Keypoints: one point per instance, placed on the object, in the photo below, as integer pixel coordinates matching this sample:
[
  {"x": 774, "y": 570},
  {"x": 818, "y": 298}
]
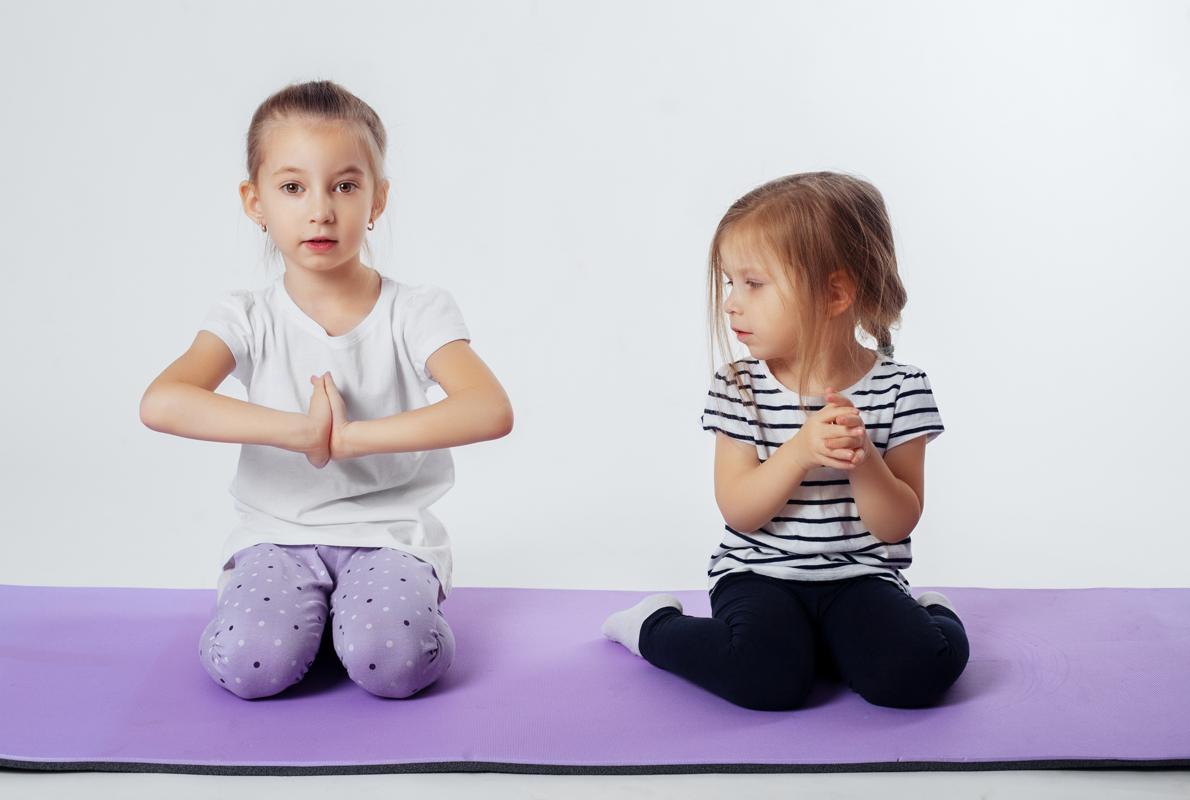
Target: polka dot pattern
[{"x": 391, "y": 650}]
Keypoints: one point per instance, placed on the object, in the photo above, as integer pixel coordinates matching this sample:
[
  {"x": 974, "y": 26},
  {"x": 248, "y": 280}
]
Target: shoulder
[
  {"x": 910, "y": 376},
  {"x": 419, "y": 295},
  {"x": 237, "y": 305},
  {"x": 737, "y": 374}
]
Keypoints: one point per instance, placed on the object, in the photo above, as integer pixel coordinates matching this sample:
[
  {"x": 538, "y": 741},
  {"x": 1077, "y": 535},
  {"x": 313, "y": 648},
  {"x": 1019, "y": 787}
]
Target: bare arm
[
  {"x": 182, "y": 401},
  {"x": 475, "y": 409},
  {"x": 750, "y": 493},
  {"x": 890, "y": 491}
]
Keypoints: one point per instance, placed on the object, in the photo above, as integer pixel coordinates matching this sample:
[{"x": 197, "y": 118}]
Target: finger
[
  {"x": 837, "y": 454},
  {"x": 835, "y": 412},
  {"x": 338, "y": 405},
  {"x": 835, "y": 463},
  {"x": 834, "y": 398},
  {"x": 835, "y": 431},
  {"x": 329, "y": 382},
  {"x": 849, "y": 441}
]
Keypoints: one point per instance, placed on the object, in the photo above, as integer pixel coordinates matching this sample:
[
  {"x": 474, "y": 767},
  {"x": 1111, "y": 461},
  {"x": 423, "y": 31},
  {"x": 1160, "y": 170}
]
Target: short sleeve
[
  {"x": 726, "y": 411},
  {"x": 229, "y": 320},
  {"x": 915, "y": 412},
  {"x": 430, "y": 319}
]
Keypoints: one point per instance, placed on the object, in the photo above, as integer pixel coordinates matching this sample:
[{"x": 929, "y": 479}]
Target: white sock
[
  {"x": 624, "y": 626},
  {"x": 935, "y": 599}
]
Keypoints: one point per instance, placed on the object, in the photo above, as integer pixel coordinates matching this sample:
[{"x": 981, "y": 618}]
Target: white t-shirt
[
  {"x": 818, "y": 535},
  {"x": 379, "y": 367}
]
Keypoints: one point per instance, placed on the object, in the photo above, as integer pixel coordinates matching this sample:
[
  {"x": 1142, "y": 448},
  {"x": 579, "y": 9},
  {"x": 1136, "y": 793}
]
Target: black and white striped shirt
[{"x": 818, "y": 535}]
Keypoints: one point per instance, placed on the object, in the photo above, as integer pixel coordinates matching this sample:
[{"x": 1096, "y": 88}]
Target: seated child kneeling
[{"x": 335, "y": 479}]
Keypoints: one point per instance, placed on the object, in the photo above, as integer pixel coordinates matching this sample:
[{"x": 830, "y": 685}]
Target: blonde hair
[
  {"x": 318, "y": 101},
  {"x": 812, "y": 224}
]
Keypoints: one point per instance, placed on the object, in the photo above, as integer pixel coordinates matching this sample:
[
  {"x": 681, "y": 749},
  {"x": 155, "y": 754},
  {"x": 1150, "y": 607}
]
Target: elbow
[
  {"x": 743, "y": 524},
  {"x": 502, "y": 420},
  {"x": 498, "y": 416},
  {"x": 150, "y": 410},
  {"x": 155, "y": 409},
  {"x": 739, "y": 520},
  {"x": 896, "y": 536}
]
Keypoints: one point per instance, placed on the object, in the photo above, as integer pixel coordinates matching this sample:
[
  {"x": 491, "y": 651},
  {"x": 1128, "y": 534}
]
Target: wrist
[
  {"x": 346, "y": 441},
  {"x": 298, "y": 434},
  {"x": 795, "y": 451},
  {"x": 871, "y": 457}
]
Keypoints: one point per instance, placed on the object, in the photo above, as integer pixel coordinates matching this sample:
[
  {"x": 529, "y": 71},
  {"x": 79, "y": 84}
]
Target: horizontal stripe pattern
[{"x": 818, "y": 535}]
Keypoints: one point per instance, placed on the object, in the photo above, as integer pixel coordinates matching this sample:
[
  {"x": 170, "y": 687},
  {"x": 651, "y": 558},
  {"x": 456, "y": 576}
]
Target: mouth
[
  {"x": 321, "y": 244},
  {"x": 741, "y": 334}
]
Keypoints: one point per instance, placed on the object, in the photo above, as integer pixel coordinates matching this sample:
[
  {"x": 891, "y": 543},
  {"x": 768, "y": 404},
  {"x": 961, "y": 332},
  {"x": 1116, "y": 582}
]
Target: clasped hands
[
  {"x": 834, "y": 436},
  {"x": 326, "y": 438}
]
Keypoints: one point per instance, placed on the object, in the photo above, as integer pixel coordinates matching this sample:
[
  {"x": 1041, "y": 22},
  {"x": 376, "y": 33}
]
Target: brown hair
[
  {"x": 319, "y": 101},
  {"x": 813, "y": 224}
]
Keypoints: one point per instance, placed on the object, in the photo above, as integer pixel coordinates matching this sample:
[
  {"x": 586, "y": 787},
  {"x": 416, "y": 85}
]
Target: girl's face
[
  {"x": 315, "y": 193},
  {"x": 760, "y": 303}
]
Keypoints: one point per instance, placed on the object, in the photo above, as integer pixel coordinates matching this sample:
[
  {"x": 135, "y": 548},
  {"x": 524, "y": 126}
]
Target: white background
[{"x": 560, "y": 168}]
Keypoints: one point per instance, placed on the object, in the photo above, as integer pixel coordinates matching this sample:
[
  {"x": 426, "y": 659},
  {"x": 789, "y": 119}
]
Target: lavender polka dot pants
[{"x": 275, "y": 600}]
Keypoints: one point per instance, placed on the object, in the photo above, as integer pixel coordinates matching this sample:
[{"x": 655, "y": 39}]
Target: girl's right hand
[
  {"x": 832, "y": 422},
  {"x": 318, "y": 446}
]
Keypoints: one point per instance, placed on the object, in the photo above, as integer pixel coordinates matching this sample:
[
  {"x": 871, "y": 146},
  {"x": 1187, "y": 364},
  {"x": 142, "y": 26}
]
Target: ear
[
  {"x": 381, "y": 200},
  {"x": 841, "y": 289},
  {"x": 251, "y": 202}
]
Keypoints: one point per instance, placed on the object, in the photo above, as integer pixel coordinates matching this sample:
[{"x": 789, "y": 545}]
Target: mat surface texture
[{"x": 109, "y": 679}]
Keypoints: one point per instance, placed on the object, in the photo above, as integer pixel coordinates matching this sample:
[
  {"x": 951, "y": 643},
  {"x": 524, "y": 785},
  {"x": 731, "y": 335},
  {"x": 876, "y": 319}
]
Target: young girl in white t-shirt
[
  {"x": 342, "y": 454},
  {"x": 819, "y": 489}
]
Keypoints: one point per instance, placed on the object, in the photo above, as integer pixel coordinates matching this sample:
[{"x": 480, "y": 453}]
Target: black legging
[{"x": 767, "y": 637}]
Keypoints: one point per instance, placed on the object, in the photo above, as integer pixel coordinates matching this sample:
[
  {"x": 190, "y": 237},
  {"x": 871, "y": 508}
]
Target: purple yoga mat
[{"x": 109, "y": 679}]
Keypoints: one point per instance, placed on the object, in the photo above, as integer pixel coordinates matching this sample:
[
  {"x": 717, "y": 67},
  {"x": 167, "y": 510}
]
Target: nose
[
  {"x": 729, "y": 305},
  {"x": 321, "y": 209}
]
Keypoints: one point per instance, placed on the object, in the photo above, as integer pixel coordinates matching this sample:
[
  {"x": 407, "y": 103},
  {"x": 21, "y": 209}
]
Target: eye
[
  {"x": 348, "y": 183},
  {"x": 285, "y": 187},
  {"x": 753, "y": 284}
]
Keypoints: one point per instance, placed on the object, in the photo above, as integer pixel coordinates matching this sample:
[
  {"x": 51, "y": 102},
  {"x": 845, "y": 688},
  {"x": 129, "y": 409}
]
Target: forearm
[
  {"x": 753, "y": 498},
  {"x": 888, "y": 507},
  {"x": 464, "y": 417},
  {"x": 196, "y": 413}
]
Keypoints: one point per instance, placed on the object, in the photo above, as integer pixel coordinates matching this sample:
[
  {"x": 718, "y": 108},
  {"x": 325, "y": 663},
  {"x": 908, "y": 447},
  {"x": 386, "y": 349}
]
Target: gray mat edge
[{"x": 575, "y": 769}]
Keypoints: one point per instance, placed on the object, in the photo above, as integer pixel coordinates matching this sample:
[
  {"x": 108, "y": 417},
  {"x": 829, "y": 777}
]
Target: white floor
[{"x": 1009, "y": 785}]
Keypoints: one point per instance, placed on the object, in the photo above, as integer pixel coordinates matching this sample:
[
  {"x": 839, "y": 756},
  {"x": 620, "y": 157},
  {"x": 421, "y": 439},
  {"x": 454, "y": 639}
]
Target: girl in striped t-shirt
[{"x": 819, "y": 488}]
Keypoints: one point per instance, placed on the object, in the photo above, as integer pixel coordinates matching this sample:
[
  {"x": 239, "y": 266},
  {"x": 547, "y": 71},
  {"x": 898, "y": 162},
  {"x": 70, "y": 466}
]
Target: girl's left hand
[
  {"x": 339, "y": 421},
  {"x": 858, "y": 440}
]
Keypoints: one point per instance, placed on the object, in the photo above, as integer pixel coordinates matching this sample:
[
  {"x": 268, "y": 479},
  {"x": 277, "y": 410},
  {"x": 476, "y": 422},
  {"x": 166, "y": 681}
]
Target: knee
[
  {"x": 910, "y": 683},
  {"x": 767, "y": 685},
  {"x": 783, "y": 697},
  {"x": 400, "y": 667},
  {"x": 253, "y": 666}
]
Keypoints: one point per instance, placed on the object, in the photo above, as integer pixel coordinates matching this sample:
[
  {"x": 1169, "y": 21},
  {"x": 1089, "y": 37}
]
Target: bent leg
[
  {"x": 756, "y": 650},
  {"x": 268, "y": 623},
  {"x": 388, "y": 630},
  {"x": 889, "y": 649}
]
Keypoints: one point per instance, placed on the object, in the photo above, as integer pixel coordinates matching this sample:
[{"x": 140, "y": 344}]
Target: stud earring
[
  {"x": 264, "y": 227},
  {"x": 371, "y": 224}
]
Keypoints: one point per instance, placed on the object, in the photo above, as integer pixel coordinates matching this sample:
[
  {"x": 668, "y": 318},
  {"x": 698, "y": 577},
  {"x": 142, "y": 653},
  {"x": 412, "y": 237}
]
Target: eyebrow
[
  {"x": 351, "y": 170},
  {"x": 747, "y": 271}
]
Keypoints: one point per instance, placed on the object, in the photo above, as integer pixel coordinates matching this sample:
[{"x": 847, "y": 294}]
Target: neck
[
  {"x": 337, "y": 285},
  {"x": 844, "y": 361}
]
